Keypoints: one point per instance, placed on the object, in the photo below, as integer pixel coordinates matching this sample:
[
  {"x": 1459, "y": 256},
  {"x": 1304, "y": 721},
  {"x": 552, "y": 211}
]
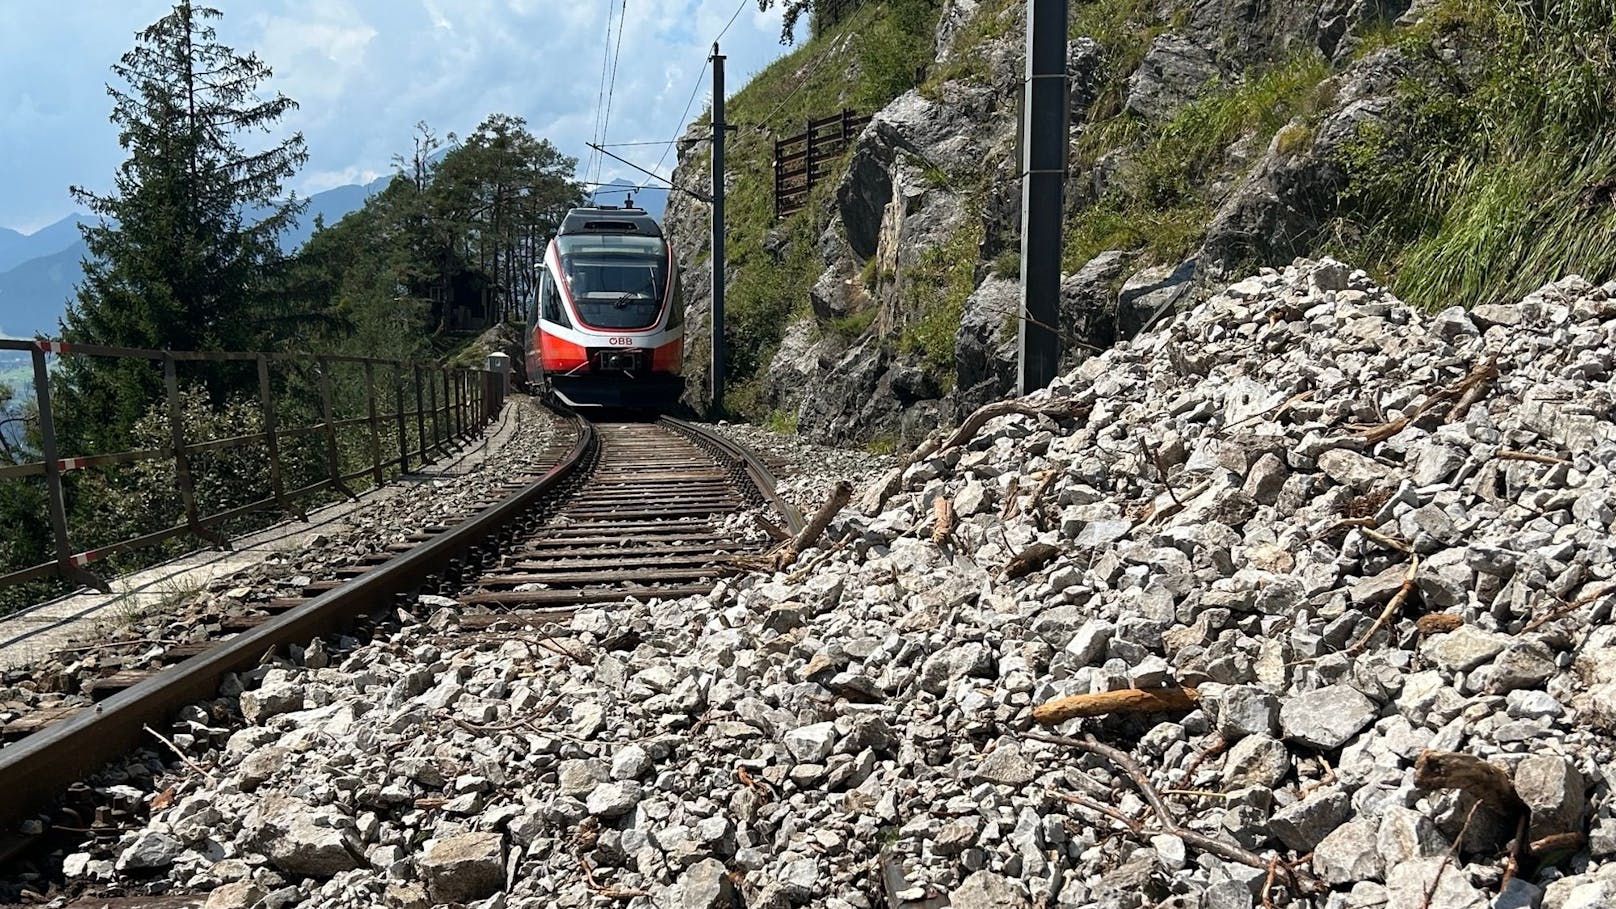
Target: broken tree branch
[
  {"x": 942, "y": 528},
  {"x": 1565, "y": 609},
  {"x": 200, "y": 770},
  {"x": 1392, "y": 606},
  {"x": 877, "y": 497},
  {"x": 1141, "y": 782},
  {"x": 1486, "y": 782},
  {"x": 1029, "y": 560},
  {"x": 809, "y": 535}
]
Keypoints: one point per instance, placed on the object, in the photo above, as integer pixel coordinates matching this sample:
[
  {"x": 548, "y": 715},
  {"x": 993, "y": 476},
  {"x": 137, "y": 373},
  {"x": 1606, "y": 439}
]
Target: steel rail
[
  {"x": 755, "y": 469},
  {"x": 37, "y": 769}
]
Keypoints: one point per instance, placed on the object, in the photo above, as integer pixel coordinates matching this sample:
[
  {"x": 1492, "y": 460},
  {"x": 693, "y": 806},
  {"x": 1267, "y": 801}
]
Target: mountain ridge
[{"x": 39, "y": 271}]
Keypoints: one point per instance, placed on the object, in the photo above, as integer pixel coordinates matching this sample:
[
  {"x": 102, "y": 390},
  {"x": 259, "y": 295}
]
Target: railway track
[{"x": 629, "y": 509}]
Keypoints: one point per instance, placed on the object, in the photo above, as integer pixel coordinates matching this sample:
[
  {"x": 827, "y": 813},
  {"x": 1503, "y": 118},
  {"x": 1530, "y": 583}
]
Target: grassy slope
[
  {"x": 862, "y": 64},
  {"x": 1504, "y": 176}
]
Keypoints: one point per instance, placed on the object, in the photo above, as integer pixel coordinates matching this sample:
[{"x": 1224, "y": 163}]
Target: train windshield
[{"x": 615, "y": 282}]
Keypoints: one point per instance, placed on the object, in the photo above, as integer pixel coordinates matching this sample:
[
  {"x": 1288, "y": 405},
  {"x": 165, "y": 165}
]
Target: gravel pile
[
  {"x": 446, "y": 490},
  {"x": 1227, "y": 505},
  {"x": 806, "y": 471}
]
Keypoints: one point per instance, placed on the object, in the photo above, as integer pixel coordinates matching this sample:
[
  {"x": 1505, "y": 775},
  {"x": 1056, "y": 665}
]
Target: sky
[{"x": 364, "y": 72}]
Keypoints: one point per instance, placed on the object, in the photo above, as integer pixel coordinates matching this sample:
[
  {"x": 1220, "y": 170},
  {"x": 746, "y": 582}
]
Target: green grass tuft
[
  {"x": 1156, "y": 202},
  {"x": 933, "y": 298},
  {"x": 1500, "y": 180}
]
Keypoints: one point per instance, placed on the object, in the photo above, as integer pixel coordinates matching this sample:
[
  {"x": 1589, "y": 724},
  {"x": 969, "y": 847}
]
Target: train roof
[{"x": 619, "y": 221}]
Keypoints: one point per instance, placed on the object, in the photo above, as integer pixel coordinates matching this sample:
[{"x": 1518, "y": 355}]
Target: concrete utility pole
[
  {"x": 716, "y": 393},
  {"x": 1043, "y": 166}
]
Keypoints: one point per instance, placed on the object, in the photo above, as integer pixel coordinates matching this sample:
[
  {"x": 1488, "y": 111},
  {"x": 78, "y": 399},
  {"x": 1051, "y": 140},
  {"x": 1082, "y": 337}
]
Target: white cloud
[{"x": 365, "y": 72}]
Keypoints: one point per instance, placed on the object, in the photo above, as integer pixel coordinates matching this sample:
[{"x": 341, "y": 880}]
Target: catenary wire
[
  {"x": 813, "y": 67},
  {"x": 600, "y": 94},
  {"x": 668, "y": 146},
  {"x": 611, "y": 85}
]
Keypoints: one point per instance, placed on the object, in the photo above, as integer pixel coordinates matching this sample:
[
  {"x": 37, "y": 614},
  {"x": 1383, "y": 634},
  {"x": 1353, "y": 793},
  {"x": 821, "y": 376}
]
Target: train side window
[{"x": 550, "y": 308}]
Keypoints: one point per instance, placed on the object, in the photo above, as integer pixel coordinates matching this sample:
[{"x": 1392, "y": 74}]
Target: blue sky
[{"x": 364, "y": 72}]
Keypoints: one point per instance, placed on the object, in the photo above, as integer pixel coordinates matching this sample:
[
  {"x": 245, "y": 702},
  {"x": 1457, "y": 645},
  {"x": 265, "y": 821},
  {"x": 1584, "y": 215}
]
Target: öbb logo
[{"x": 621, "y": 342}]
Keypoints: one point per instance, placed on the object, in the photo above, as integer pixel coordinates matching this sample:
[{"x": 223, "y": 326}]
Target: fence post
[
  {"x": 437, "y": 437},
  {"x": 448, "y": 409},
  {"x": 398, "y": 417},
  {"x": 778, "y": 182},
  {"x": 182, "y": 456},
  {"x": 451, "y": 404},
  {"x": 420, "y": 415},
  {"x": 375, "y": 426},
  {"x": 333, "y": 461},
  {"x": 272, "y": 442},
  {"x": 847, "y": 124},
  {"x": 462, "y": 393},
  {"x": 55, "y": 494},
  {"x": 808, "y": 159}
]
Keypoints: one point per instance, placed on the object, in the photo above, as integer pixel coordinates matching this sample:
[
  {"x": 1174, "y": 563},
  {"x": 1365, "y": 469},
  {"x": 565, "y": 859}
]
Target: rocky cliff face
[{"x": 912, "y": 318}]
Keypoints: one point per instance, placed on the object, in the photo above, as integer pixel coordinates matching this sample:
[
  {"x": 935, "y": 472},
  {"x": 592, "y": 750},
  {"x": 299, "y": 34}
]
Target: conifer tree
[{"x": 186, "y": 253}]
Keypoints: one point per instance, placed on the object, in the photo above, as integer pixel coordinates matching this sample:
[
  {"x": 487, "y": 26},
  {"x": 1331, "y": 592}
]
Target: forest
[{"x": 185, "y": 255}]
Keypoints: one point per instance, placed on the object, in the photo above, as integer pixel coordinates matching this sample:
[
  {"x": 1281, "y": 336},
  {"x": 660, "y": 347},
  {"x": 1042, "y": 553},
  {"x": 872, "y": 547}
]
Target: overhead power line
[
  {"x": 611, "y": 86},
  {"x": 680, "y": 126},
  {"x": 600, "y": 94}
]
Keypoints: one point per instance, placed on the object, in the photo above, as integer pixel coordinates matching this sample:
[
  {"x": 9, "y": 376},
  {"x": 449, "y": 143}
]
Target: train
[{"x": 606, "y": 325}]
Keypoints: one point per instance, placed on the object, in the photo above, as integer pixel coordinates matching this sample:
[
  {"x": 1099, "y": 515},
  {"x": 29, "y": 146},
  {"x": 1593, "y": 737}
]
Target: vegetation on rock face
[
  {"x": 1158, "y": 201},
  {"x": 1502, "y": 175},
  {"x": 863, "y": 63},
  {"x": 934, "y": 297}
]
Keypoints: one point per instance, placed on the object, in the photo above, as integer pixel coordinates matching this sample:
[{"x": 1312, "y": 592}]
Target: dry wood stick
[
  {"x": 1485, "y": 781},
  {"x": 1156, "y": 461},
  {"x": 1392, "y": 606},
  {"x": 942, "y": 520},
  {"x": 143, "y": 642},
  {"x": 1565, "y": 609},
  {"x": 964, "y": 434},
  {"x": 772, "y": 529},
  {"x": 1274, "y": 413},
  {"x": 1012, "y": 494},
  {"x": 1136, "y": 774},
  {"x": 201, "y": 771},
  {"x": 1473, "y": 388},
  {"x": 810, "y": 534},
  {"x": 1509, "y": 454},
  {"x": 1448, "y": 859},
  {"x": 1126, "y": 700},
  {"x": 1029, "y": 560}
]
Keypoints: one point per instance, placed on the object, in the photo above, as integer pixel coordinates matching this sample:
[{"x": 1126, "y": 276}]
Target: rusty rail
[
  {"x": 470, "y": 399},
  {"x": 37, "y": 769}
]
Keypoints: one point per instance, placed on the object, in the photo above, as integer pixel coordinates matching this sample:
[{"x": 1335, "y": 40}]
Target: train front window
[{"x": 616, "y": 291}]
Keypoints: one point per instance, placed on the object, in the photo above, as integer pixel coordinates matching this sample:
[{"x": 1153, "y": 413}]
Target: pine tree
[{"x": 186, "y": 254}]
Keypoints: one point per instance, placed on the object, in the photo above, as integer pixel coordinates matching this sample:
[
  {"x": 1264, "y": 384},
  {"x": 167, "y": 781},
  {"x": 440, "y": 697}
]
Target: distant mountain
[
  {"x": 34, "y": 295},
  {"x": 17, "y": 248},
  {"x": 652, "y": 199},
  {"x": 331, "y": 205},
  {"x": 39, "y": 271}
]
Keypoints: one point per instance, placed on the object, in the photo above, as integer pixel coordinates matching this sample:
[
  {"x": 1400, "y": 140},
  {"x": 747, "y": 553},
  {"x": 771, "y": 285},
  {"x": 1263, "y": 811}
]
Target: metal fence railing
[
  {"x": 364, "y": 418},
  {"x": 802, "y": 160}
]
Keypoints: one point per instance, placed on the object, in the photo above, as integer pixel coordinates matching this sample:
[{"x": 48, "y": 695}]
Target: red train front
[{"x": 607, "y": 326}]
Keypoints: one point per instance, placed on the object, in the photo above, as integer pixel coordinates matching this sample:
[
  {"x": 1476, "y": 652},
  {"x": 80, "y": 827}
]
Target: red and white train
[{"x": 607, "y": 324}]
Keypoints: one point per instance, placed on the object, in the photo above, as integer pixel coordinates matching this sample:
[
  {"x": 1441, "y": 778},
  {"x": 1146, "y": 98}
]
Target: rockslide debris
[{"x": 1235, "y": 501}]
